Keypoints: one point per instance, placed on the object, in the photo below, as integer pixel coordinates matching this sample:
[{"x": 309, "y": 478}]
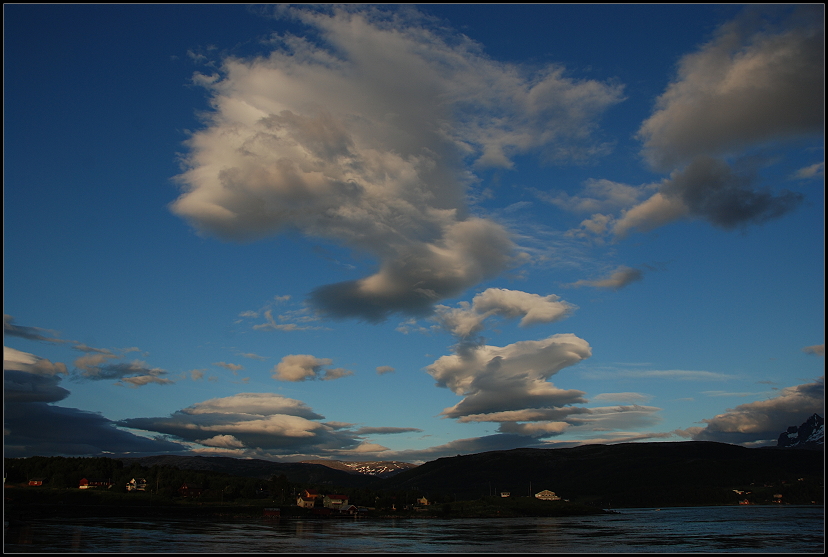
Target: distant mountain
[
  {"x": 296, "y": 472},
  {"x": 809, "y": 435},
  {"x": 627, "y": 474},
  {"x": 376, "y": 468}
]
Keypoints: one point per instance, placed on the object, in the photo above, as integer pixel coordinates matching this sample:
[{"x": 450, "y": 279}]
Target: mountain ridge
[{"x": 809, "y": 435}]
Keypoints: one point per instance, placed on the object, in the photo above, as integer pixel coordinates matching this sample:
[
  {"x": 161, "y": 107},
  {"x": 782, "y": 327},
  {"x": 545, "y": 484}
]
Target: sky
[{"x": 404, "y": 232}]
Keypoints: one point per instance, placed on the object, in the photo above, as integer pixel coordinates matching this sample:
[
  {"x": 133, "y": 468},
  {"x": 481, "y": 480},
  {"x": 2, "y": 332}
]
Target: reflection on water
[{"x": 702, "y": 529}]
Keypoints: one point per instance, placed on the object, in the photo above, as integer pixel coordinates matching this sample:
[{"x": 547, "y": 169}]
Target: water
[{"x": 770, "y": 529}]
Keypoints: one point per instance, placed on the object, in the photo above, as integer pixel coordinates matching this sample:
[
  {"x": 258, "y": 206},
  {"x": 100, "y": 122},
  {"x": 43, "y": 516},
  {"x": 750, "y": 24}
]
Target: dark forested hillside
[
  {"x": 631, "y": 474},
  {"x": 296, "y": 472},
  {"x": 623, "y": 475}
]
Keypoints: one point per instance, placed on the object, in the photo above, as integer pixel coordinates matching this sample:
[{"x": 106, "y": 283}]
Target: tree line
[{"x": 165, "y": 481}]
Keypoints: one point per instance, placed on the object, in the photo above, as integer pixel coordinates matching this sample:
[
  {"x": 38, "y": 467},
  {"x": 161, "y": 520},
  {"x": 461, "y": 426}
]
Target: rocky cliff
[{"x": 809, "y": 435}]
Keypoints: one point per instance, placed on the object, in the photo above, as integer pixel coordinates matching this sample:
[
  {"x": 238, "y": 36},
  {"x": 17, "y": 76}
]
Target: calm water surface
[{"x": 748, "y": 529}]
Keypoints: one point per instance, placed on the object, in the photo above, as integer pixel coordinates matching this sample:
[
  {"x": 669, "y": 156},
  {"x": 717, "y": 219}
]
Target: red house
[
  {"x": 190, "y": 490},
  {"x": 93, "y": 483}
]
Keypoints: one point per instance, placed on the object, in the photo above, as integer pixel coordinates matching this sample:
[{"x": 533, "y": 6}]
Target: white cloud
[
  {"x": 754, "y": 86},
  {"x": 467, "y": 320},
  {"x": 299, "y": 367},
  {"x": 493, "y": 379},
  {"x": 364, "y": 138},
  {"x": 620, "y": 277},
  {"x": 263, "y": 425},
  {"x": 754, "y": 82},
  {"x": 656, "y": 211},
  {"x": 816, "y": 350},
  {"x": 222, "y": 441},
  {"x": 231, "y": 367},
  {"x": 263, "y": 404},
  {"x": 813, "y": 171},
  {"x": 23, "y": 361},
  {"x": 765, "y": 420},
  {"x": 336, "y": 373},
  {"x": 598, "y": 196},
  {"x": 382, "y": 370},
  {"x": 134, "y": 374}
]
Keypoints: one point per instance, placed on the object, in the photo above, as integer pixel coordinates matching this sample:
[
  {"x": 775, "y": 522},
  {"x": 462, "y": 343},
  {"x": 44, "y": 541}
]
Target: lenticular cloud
[{"x": 366, "y": 137}]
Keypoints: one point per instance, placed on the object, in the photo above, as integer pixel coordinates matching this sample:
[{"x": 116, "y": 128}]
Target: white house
[
  {"x": 334, "y": 501},
  {"x": 547, "y": 495},
  {"x": 136, "y": 484}
]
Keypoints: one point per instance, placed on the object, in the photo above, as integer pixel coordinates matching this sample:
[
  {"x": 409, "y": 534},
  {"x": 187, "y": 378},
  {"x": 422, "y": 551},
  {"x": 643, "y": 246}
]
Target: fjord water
[{"x": 772, "y": 529}]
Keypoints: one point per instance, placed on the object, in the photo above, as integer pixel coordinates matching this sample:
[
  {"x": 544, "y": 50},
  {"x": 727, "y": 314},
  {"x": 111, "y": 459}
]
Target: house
[
  {"x": 310, "y": 494},
  {"x": 547, "y": 495},
  {"x": 334, "y": 501},
  {"x": 93, "y": 483},
  {"x": 37, "y": 481},
  {"x": 505, "y": 494},
  {"x": 305, "y": 502},
  {"x": 423, "y": 501},
  {"x": 136, "y": 484},
  {"x": 190, "y": 490},
  {"x": 348, "y": 509}
]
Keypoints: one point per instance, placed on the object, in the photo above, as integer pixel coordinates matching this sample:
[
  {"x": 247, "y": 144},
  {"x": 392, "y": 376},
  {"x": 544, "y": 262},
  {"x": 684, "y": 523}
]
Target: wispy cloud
[
  {"x": 30, "y": 333},
  {"x": 618, "y": 279},
  {"x": 678, "y": 374},
  {"x": 816, "y": 170},
  {"x": 815, "y": 350},
  {"x": 231, "y": 367}
]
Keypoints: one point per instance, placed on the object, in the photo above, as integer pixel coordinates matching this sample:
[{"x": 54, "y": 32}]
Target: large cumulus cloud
[
  {"x": 366, "y": 137},
  {"x": 495, "y": 379},
  {"x": 732, "y": 108},
  {"x": 758, "y": 80}
]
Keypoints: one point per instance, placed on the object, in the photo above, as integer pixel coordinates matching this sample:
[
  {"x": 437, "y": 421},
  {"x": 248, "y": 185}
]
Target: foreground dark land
[
  {"x": 26, "y": 504},
  {"x": 592, "y": 478}
]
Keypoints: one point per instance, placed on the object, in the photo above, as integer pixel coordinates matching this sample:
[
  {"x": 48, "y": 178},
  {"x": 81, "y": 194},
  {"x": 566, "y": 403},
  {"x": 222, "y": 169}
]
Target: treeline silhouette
[{"x": 164, "y": 481}]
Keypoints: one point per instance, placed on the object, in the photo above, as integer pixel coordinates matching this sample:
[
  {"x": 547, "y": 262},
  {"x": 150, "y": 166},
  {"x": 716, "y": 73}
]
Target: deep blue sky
[{"x": 408, "y": 232}]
